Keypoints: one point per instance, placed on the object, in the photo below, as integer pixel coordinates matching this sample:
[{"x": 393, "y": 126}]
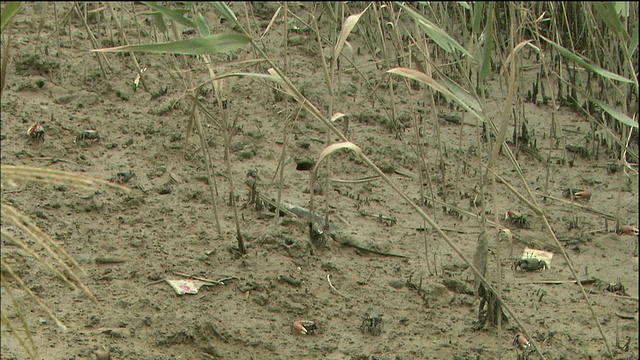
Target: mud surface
[{"x": 400, "y": 301}]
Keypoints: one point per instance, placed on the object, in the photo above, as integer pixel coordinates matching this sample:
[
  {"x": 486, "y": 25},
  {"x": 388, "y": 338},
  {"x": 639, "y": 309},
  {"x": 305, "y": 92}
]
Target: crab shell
[{"x": 531, "y": 264}]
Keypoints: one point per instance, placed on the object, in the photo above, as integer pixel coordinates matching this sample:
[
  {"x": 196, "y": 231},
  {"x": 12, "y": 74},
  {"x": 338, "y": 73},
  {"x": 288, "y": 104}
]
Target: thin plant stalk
[
  {"x": 213, "y": 188},
  {"x": 281, "y": 163},
  {"x": 285, "y": 129},
  {"x": 126, "y": 41},
  {"x": 492, "y": 163},
  {"x": 231, "y": 129},
  {"x": 30, "y": 348},
  {"x": 94, "y": 42}
]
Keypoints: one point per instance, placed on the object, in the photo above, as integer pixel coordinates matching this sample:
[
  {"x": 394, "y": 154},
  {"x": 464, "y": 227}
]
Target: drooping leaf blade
[
  {"x": 333, "y": 148},
  {"x": 477, "y": 16},
  {"x": 9, "y": 11},
  {"x": 464, "y": 4},
  {"x": 586, "y": 63},
  {"x": 425, "y": 79},
  {"x": 158, "y": 20},
  {"x": 346, "y": 30},
  {"x": 203, "y": 28},
  {"x": 175, "y": 15},
  {"x": 618, "y": 115},
  {"x": 633, "y": 43},
  {"x": 224, "y": 9},
  {"x": 446, "y": 42},
  {"x": 607, "y": 12},
  {"x": 211, "y": 44}
]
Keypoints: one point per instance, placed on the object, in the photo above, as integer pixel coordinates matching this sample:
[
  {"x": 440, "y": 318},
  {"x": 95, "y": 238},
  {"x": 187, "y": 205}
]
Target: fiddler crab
[
  {"x": 36, "y": 132},
  {"x": 628, "y": 230},
  {"x": 576, "y": 194},
  {"x": 123, "y": 176},
  {"x": 530, "y": 264},
  {"x": 521, "y": 342},
  {"x": 305, "y": 327},
  {"x": 87, "y": 135},
  {"x": 517, "y": 219}
]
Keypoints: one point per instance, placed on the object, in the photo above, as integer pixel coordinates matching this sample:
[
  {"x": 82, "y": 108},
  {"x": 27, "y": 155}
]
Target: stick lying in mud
[{"x": 305, "y": 214}]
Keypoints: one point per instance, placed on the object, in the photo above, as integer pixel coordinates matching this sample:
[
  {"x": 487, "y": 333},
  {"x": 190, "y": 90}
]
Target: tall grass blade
[
  {"x": 224, "y": 9},
  {"x": 203, "y": 28},
  {"x": 608, "y": 14},
  {"x": 29, "y": 348},
  {"x": 470, "y": 99},
  {"x": 175, "y": 15},
  {"x": 446, "y": 42},
  {"x": 271, "y": 22},
  {"x": 477, "y": 16},
  {"x": 464, "y": 4},
  {"x": 480, "y": 257},
  {"x": 485, "y": 66},
  {"x": 9, "y": 11},
  {"x": 618, "y": 115},
  {"x": 209, "y": 45},
  {"x": 158, "y": 21},
  {"x": 586, "y": 63},
  {"x": 633, "y": 43},
  {"x": 12, "y": 174},
  {"x": 33, "y": 296}
]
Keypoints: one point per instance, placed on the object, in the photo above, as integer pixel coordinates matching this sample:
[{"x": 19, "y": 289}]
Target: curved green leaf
[
  {"x": 608, "y": 14},
  {"x": 438, "y": 35},
  {"x": 211, "y": 44},
  {"x": 633, "y": 43},
  {"x": 460, "y": 96},
  {"x": 203, "y": 28},
  {"x": 586, "y": 63},
  {"x": 224, "y": 9},
  {"x": 618, "y": 115},
  {"x": 477, "y": 16},
  {"x": 9, "y": 11},
  {"x": 464, "y": 4},
  {"x": 158, "y": 20},
  {"x": 175, "y": 15}
]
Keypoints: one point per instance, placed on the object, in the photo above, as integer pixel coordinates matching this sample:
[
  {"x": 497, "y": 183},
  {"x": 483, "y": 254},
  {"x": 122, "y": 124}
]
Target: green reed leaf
[
  {"x": 210, "y": 44},
  {"x": 586, "y": 63},
  {"x": 9, "y": 11},
  {"x": 175, "y": 15},
  {"x": 438, "y": 35}
]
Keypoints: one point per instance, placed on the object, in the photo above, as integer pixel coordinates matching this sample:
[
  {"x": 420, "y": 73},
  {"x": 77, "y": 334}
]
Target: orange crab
[
  {"x": 576, "y": 194},
  {"x": 628, "y": 230},
  {"x": 36, "y": 132},
  {"x": 305, "y": 327},
  {"x": 521, "y": 342}
]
